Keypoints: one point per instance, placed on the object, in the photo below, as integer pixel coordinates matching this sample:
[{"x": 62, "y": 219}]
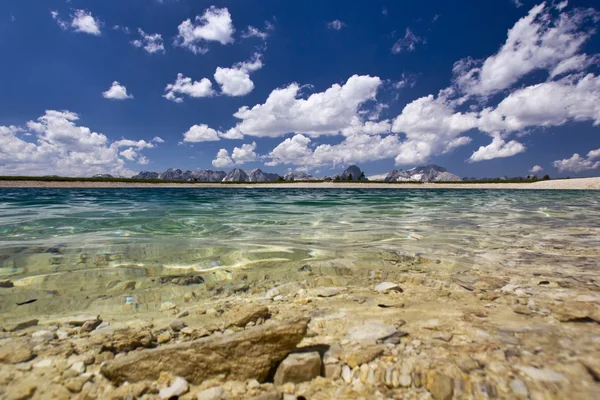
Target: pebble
[
  {"x": 272, "y": 293},
  {"x": 42, "y": 336},
  {"x": 45, "y": 363},
  {"x": 167, "y": 305},
  {"x": 386, "y": 287},
  {"x": 543, "y": 374},
  {"x": 187, "y": 331},
  {"x": 346, "y": 374},
  {"x": 298, "y": 367},
  {"x": 78, "y": 366},
  {"x": 518, "y": 388},
  {"x": 371, "y": 332},
  {"x": 164, "y": 337},
  {"x": 177, "y": 387},
  {"x": 177, "y": 325},
  {"x": 213, "y": 393},
  {"x": 328, "y": 291}
]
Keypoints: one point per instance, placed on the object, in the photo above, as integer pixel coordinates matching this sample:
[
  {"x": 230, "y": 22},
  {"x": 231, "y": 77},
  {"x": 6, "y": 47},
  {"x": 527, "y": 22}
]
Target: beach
[{"x": 565, "y": 184}]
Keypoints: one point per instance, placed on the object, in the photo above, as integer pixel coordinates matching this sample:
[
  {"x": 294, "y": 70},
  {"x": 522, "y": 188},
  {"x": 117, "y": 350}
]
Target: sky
[{"x": 483, "y": 88}]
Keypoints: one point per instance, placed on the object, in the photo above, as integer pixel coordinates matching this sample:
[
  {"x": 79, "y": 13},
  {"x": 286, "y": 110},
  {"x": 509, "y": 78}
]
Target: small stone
[
  {"x": 386, "y": 287},
  {"x": 445, "y": 336},
  {"x": 167, "y": 305},
  {"x": 187, "y": 331},
  {"x": 22, "y": 325},
  {"x": 80, "y": 320},
  {"x": 42, "y": 336},
  {"x": 405, "y": 380},
  {"x": 271, "y": 395},
  {"x": 252, "y": 384},
  {"x": 440, "y": 386},
  {"x": 332, "y": 355},
  {"x": 592, "y": 364},
  {"x": 214, "y": 393},
  {"x": 15, "y": 353},
  {"x": 183, "y": 314},
  {"x": 371, "y": 332},
  {"x": 298, "y": 367},
  {"x": 177, "y": 387},
  {"x": 347, "y": 374},
  {"x": 467, "y": 364},
  {"x": 164, "y": 337},
  {"x": 288, "y": 388},
  {"x": 272, "y": 293},
  {"x": 22, "y": 391},
  {"x": 177, "y": 325},
  {"x": 45, "y": 363},
  {"x": 333, "y": 371},
  {"x": 356, "y": 357},
  {"x": 543, "y": 374},
  {"x": 328, "y": 291},
  {"x": 519, "y": 389},
  {"x": 252, "y": 314},
  {"x": 78, "y": 366},
  {"x": 520, "y": 309},
  {"x": 75, "y": 384},
  {"x": 278, "y": 298}
]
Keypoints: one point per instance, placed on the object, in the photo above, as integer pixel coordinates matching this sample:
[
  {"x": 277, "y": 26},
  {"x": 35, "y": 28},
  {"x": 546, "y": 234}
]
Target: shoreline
[{"x": 560, "y": 184}]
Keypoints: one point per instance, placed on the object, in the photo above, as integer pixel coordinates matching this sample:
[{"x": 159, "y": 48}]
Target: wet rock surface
[{"x": 412, "y": 329}]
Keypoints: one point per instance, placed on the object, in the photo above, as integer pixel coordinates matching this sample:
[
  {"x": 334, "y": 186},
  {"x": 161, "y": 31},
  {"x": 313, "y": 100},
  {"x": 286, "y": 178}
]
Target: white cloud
[
  {"x": 336, "y": 25},
  {"x": 117, "y": 92},
  {"x": 185, "y": 85},
  {"x": 254, "y": 32},
  {"x": 577, "y": 163},
  {"x": 326, "y": 112},
  {"x": 357, "y": 148},
  {"x": 244, "y": 154},
  {"x": 232, "y": 133},
  {"x": 54, "y": 144},
  {"x": 84, "y": 22},
  {"x": 158, "y": 139},
  {"x": 236, "y": 81},
  {"x": 59, "y": 21},
  {"x": 431, "y": 126},
  {"x": 214, "y": 25},
  {"x": 499, "y": 148},
  {"x": 535, "y": 169},
  {"x": 223, "y": 160},
  {"x": 200, "y": 133},
  {"x": 407, "y": 43},
  {"x": 143, "y": 160},
  {"x": 537, "y": 41},
  {"x": 517, "y": 3},
  {"x": 129, "y": 154},
  {"x": 151, "y": 43}
]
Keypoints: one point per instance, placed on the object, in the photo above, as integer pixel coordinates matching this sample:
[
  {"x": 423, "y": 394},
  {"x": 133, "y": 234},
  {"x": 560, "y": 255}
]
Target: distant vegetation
[{"x": 158, "y": 181}]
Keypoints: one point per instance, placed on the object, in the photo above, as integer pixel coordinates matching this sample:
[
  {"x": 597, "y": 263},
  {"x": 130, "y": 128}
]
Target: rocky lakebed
[{"x": 412, "y": 329}]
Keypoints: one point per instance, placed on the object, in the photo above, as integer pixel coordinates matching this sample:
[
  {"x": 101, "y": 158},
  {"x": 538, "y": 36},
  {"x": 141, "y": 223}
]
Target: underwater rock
[
  {"x": 298, "y": 367},
  {"x": 249, "y": 354},
  {"x": 182, "y": 280}
]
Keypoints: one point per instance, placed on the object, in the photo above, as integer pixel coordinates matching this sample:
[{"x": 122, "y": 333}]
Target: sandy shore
[{"x": 565, "y": 184}]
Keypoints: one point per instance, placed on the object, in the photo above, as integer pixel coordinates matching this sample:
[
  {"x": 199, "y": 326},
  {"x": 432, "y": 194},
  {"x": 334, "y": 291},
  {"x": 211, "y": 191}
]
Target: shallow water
[{"x": 79, "y": 249}]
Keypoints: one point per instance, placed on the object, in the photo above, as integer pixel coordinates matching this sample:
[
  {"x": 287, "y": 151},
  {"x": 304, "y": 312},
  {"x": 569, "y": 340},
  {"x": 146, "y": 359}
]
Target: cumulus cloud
[
  {"x": 325, "y": 112},
  {"x": 499, "y": 148},
  {"x": 214, "y": 25},
  {"x": 55, "y": 144},
  {"x": 336, "y": 25},
  {"x": 151, "y": 43},
  {"x": 200, "y": 133},
  {"x": 117, "y": 92},
  {"x": 186, "y": 86},
  {"x": 357, "y": 148},
  {"x": 535, "y": 169},
  {"x": 158, "y": 139},
  {"x": 538, "y": 41},
  {"x": 244, "y": 154},
  {"x": 81, "y": 21},
  {"x": 407, "y": 43},
  {"x": 577, "y": 163},
  {"x": 223, "y": 160},
  {"x": 235, "y": 81},
  {"x": 255, "y": 32}
]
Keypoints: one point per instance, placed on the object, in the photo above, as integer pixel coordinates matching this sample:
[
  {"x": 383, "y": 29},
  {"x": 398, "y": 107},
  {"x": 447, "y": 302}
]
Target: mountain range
[{"x": 428, "y": 173}]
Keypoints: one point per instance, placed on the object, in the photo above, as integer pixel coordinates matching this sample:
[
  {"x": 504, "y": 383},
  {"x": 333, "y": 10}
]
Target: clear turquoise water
[{"x": 52, "y": 239}]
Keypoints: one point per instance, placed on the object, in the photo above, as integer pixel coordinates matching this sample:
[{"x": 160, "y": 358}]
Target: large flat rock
[{"x": 249, "y": 354}]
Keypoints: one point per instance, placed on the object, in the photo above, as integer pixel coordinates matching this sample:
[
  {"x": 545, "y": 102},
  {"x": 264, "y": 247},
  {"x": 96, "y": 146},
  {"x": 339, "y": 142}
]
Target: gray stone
[
  {"x": 249, "y": 354},
  {"x": 177, "y": 325},
  {"x": 298, "y": 367},
  {"x": 213, "y": 393},
  {"x": 80, "y": 320},
  {"x": 542, "y": 374},
  {"x": 177, "y": 387},
  {"x": 519, "y": 389},
  {"x": 385, "y": 287},
  {"x": 371, "y": 332},
  {"x": 42, "y": 336},
  {"x": 21, "y": 325},
  {"x": 14, "y": 353},
  {"x": 328, "y": 291}
]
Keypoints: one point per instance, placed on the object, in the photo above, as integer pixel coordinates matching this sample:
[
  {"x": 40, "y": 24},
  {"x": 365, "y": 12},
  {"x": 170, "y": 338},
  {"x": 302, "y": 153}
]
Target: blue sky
[{"x": 483, "y": 88}]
